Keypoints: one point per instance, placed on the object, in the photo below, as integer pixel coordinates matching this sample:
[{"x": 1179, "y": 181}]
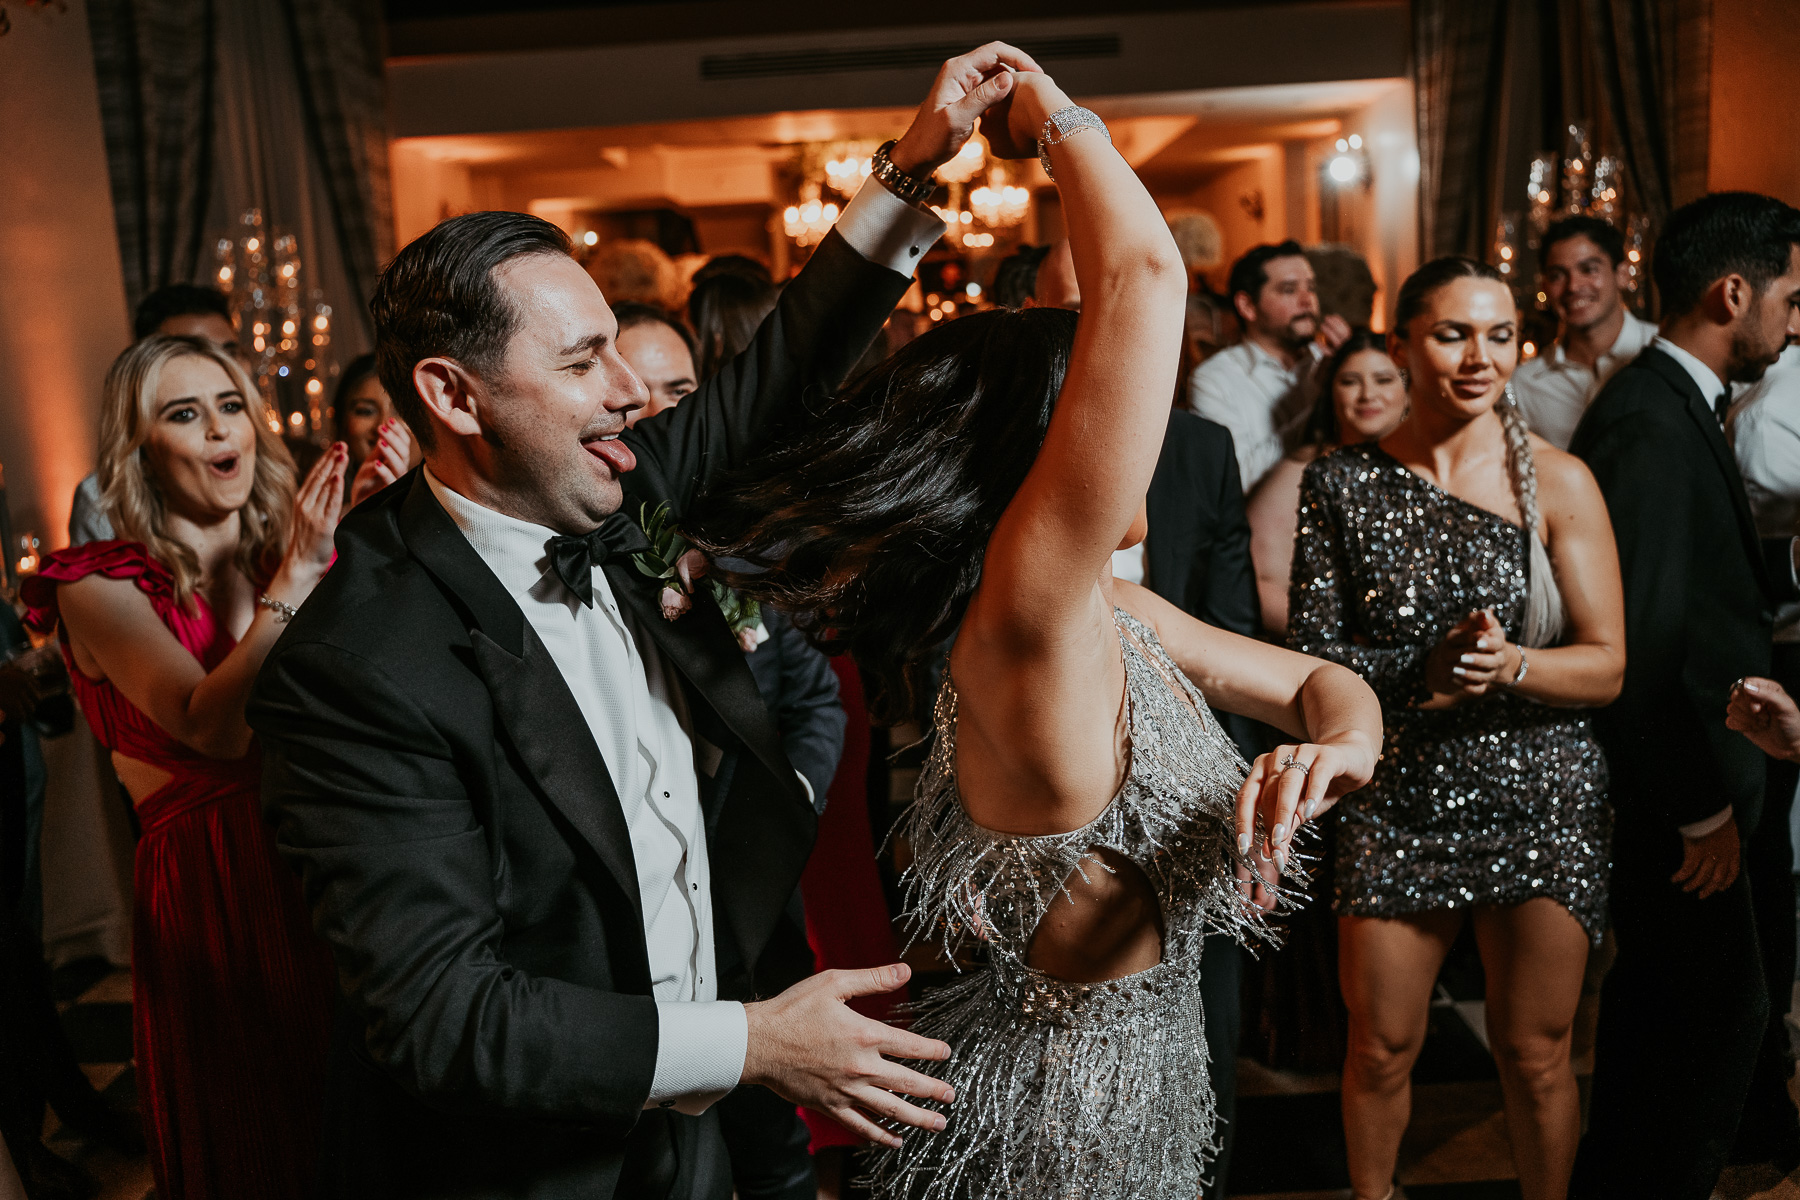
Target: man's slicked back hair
[
  {"x": 1251, "y": 272},
  {"x": 439, "y": 299},
  {"x": 1726, "y": 233}
]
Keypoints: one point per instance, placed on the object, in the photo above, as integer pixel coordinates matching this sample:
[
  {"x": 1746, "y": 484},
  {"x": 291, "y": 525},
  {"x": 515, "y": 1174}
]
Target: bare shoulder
[
  {"x": 1562, "y": 478},
  {"x": 101, "y": 596}
]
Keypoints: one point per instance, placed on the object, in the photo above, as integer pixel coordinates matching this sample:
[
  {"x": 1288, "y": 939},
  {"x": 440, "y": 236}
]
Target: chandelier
[
  {"x": 967, "y": 164},
  {"x": 809, "y": 221},
  {"x": 288, "y": 335},
  {"x": 1000, "y": 206},
  {"x": 846, "y": 173}
]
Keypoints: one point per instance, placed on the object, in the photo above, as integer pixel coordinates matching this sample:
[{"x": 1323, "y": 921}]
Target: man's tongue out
[{"x": 613, "y": 453}]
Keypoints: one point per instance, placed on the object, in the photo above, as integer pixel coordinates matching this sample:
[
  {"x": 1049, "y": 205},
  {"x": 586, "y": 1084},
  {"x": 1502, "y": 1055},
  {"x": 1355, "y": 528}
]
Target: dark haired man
[
  {"x": 1260, "y": 387},
  {"x": 661, "y": 353},
  {"x": 1584, "y": 276},
  {"x": 543, "y": 818},
  {"x": 177, "y": 310},
  {"x": 1683, "y": 1010}
]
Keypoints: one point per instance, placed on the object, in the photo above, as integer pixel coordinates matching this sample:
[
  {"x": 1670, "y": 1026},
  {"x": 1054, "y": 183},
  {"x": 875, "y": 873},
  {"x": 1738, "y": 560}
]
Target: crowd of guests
[{"x": 1571, "y": 580}]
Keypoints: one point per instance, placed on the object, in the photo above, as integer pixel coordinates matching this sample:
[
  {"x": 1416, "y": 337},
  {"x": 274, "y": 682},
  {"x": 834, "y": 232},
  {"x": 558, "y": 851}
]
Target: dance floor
[{"x": 1290, "y": 1144}]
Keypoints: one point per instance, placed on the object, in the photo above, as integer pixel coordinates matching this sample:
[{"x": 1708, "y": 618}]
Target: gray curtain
[
  {"x": 212, "y": 107},
  {"x": 1498, "y": 81}
]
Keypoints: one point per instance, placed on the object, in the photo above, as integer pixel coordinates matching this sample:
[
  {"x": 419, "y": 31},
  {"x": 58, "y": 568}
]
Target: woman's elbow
[{"x": 227, "y": 744}]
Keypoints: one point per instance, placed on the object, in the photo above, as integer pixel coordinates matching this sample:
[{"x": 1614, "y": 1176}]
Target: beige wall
[
  {"x": 1262, "y": 171},
  {"x": 1755, "y": 118},
  {"x": 62, "y": 296}
]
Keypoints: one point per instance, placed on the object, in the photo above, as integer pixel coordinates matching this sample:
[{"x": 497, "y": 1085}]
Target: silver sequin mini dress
[
  {"x": 1495, "y": 801},
  {"x": 1074, "y": 1090}
]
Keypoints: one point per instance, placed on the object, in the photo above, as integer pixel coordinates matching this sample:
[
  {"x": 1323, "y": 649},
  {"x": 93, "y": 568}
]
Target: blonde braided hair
[{"x": 1544, "y": 612}]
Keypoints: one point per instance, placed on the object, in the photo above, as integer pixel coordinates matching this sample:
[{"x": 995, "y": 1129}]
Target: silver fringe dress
[{"x": 1066, "y": 1090}]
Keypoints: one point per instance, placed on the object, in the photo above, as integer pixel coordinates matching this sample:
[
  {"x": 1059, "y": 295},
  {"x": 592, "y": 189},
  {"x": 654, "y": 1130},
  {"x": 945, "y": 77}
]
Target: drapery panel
[
  {"x": 1498, "y": 81},
  {"x": 214, "y": 107}
]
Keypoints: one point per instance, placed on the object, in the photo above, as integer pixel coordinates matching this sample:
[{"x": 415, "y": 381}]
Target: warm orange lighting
[
  {"x": 313, "y": 388},
  {"x": 1530, "y": 349}
]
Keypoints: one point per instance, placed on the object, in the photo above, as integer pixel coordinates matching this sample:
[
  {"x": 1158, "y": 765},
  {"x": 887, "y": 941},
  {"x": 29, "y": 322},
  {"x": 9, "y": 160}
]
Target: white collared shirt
[
  {"x": 633, "y": 707},
  {"x": 632, "y": 703},
  {"x": 1764, "y": 429},
  {"x": 1248, "y": 391},
  {"x": 1554, "y": 390}
]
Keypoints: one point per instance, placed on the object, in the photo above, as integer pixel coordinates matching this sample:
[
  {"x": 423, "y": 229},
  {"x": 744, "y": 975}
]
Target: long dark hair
[
  {"x": 1322, "y": 426},
  {"x": 725, "y": 308},
  {"x": 869, "y": 527}
]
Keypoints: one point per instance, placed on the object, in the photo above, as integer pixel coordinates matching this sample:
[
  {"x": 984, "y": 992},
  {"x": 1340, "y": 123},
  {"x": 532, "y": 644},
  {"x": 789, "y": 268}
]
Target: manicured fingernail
[
  {"x": 1243, "y": 843},
  {"x": 1751, "y": 687},
  {"x": 1312, "y": 808},
  {"x": 1280, "y": 832},
  {"x": 1480, "y": 644},
  {"x": 1467, "y": 658},
  {"x": 1458, "y": 671},
  {"x": 1281, "y": 859}
]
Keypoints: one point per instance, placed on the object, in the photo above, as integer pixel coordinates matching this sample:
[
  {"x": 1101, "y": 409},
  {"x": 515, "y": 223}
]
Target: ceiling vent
[{"x": 774, "y": 63}]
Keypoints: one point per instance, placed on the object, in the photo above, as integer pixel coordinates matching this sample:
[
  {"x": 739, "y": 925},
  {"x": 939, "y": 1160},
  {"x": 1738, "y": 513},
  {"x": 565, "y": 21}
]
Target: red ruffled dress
[{"x": 232, "y": 988}]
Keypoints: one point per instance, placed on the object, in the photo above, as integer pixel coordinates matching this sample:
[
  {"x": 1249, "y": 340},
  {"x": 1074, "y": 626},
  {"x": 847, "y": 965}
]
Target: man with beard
[
  {"x": 1260, "y": 387},
  {"x": 1684, "y": 1009},
  {"x": 1584, "y": 275}
]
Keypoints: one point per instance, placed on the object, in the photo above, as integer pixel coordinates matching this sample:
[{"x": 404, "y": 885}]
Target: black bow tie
[{"x": 574, "y": 556}]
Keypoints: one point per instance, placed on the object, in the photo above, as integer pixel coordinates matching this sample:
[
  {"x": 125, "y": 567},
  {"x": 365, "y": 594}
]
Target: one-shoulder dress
[
  {"x": 1493, "y": 802},
  {"x": 1090, "y": 1090},
  {"x": 232, "y": 990}
]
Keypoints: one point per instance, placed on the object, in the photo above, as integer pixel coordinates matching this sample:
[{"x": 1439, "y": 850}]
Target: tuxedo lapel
[
  {"x": 531, "y": 699},
  {"x": 1713, "y": 435},
  {"x": 700, "y": 645}
]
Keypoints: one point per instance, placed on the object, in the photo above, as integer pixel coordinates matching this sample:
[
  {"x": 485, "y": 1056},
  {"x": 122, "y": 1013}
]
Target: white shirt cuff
[
  {"x": 700, "y": 1047},
  {"x": 807, "y": 784},
  {"x": 887, "y": 230},
  {"x": 1700, "y": 829}
]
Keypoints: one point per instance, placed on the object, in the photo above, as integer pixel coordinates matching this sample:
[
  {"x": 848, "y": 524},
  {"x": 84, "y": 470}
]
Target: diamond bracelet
[{"x": 1063, "y": 124}]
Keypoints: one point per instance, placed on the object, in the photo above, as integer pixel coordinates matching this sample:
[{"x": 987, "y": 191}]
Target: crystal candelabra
[{"x": 284, "y": 333}]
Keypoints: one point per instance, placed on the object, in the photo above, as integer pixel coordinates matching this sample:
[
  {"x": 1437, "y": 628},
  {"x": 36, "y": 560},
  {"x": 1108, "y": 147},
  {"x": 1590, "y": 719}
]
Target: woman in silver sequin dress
[
  {"x": 1467, "y": 570},
  {"x": 1083, "y": 822}
]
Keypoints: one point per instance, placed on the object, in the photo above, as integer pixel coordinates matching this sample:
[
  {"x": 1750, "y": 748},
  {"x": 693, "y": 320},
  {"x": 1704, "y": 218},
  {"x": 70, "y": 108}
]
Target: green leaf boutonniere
[{"x": 673, "y": 559}]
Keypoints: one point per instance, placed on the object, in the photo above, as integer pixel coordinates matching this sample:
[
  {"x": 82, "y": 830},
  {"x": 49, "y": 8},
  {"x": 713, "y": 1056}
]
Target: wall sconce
[{"x": 1252, "y": 203}]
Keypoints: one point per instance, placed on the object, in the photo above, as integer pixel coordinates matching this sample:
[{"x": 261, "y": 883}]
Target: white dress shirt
[
  {"x": 1764, "y": 428},
  {"x": 632, "y": 704},
  {"x": 1554, "y": 390},
  {"x": 1248, "y": 391}
]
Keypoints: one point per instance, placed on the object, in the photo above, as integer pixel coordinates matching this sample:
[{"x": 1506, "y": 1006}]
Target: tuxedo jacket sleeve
[
  {"x": 1696, "y": 598},
  {"x": 801, "y": 690},
  {"x": 799, "y": 356}
]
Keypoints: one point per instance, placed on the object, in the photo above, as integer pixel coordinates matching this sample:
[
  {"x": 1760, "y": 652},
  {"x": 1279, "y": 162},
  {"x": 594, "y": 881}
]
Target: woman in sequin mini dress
[
  {"x": 1467, "y": 570},
  {"x": 1083, "y": 822}
]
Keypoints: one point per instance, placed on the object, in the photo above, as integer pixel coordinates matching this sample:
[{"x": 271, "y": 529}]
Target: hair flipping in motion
[
  {"x": 1544, "y": 612},
  {"x": 869, "y": 525}
]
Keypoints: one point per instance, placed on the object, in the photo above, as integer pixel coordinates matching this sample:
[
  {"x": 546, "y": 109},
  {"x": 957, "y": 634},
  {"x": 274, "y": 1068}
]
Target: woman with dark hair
[
  {"x": 1362, "y": 397},
  {"x": 731, "y": 297},
  {"x": 164, "y": 631},
  {"x": 364, "y": 420},
  {"x": 1466, "y": 569},
  {"x": 1082, "y": 817}
]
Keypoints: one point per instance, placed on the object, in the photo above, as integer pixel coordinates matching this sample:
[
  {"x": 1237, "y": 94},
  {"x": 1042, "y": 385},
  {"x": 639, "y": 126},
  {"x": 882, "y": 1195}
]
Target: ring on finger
[{"x": 1290, "y": 762}]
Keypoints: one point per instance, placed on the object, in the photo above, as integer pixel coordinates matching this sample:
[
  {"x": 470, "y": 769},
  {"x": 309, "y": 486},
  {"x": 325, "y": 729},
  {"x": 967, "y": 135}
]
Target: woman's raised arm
[{"x": 1088, "y": 482}]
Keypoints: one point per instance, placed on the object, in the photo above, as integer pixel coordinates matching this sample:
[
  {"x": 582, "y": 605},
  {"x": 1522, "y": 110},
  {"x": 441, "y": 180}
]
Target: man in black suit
[
  {"x": 1682, "y": 1011},
  {"x": 543, "y": 820}
]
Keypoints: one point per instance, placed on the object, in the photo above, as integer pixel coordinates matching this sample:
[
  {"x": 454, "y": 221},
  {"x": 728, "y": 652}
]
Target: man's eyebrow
[{"x": 594, "y": 341}]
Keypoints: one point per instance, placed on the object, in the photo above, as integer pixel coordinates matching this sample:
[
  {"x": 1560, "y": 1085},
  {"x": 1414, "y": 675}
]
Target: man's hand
[
  {"x": 809, "y": 1047},
  {"x": 965, "y": 87},
  {"x": 1709, "y": 864},
  {"x": 1762, "y": 711},
  {"x": 1334, "y": 331}
]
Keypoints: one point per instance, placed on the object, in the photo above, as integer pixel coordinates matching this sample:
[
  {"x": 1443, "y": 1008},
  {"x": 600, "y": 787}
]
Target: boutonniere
[{"x": 682, "y": 568}]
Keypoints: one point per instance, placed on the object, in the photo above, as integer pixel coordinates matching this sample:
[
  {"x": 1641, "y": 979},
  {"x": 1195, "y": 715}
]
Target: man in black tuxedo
[
  {"x": 547, "y": 830},
  {"x": 1682, "y": 1011}
]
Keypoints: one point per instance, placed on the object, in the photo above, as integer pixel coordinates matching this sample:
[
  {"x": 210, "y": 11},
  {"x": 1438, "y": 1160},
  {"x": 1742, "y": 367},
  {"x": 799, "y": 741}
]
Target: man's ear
[
  {"x": 451, "y": 394},
  {"x": 1246, "y": 308},
  {"x": 1621, "y": 276}
]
